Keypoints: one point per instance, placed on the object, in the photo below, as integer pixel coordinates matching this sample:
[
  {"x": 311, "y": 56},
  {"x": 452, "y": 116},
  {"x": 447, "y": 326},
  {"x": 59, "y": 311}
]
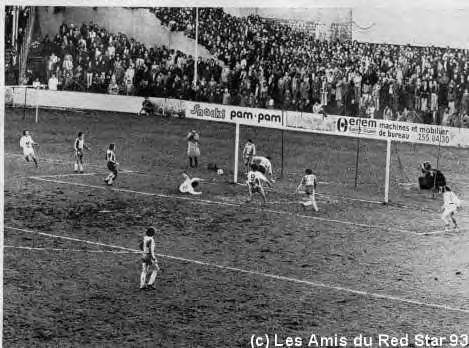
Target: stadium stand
[{"x": 265, "y": 63}]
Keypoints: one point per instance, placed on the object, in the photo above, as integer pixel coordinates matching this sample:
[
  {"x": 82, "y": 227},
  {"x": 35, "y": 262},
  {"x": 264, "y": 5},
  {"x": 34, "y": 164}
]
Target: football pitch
[{"x": 231, "y": 271}]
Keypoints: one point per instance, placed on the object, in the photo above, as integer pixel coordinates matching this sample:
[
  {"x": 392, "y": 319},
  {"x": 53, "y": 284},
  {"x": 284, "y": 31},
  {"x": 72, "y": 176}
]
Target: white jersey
[
  {"x": 110, "y": 156},
  {"x": 309, "y": 180},
  {"x": 79, "y": 144},
  {"x": 264, "y": 162},
  {"x": 26, "y": 143},
  {"x": 249, "y": 150},
  {"x": 186, "y": 186},
  {"x": 149, "y": 246},
  {"x": 255, "y": 177},
  {"x": 450, "y": 200}
]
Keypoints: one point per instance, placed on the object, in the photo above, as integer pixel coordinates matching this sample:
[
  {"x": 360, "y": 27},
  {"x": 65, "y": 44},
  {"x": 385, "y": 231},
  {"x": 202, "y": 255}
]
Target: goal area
[{"x": 362, "y": 159}]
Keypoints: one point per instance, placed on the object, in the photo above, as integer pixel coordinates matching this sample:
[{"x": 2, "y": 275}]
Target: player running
[
  {"x": 189, "y": 185},
  {"x": 27, "y": 143},
  {"x": 79, "y": 146},
  {"x": 111, "y": 164},
  {"x": 450, "y": 206},
  {"x": 149, "y": 262},
  {"x": 249, "y": 152},
  {"x": 264, "y": 165},
  {"x": 255, "y": 183},
  {"x": 309, "y": 183}
]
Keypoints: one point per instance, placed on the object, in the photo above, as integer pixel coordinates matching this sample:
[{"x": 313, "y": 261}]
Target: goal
[{"x": 24, "y": 96}]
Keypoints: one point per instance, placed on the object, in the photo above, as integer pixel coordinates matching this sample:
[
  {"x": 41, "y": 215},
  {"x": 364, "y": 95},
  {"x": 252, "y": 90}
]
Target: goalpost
[
  {"x": 380, "y": 167},
  {"x": 387, "y": 166},
  {"x": 24, "y": 96}
]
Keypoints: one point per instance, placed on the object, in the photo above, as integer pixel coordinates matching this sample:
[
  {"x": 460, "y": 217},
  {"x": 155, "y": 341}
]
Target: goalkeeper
[{"x": 432, "y": 178}]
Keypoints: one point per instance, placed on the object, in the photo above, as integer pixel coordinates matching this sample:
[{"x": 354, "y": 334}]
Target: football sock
[{"x": 152, "y": 278}]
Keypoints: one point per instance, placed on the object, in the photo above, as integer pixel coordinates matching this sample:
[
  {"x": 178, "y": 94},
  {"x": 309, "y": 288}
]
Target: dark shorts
[
  {"x": 79, "y": 154},
  {"x": 255, "y": 187},
  {"x": 309, "y": 189},
  {"x": 112, "y": 167},
  {"x": 148, "y": 260}
]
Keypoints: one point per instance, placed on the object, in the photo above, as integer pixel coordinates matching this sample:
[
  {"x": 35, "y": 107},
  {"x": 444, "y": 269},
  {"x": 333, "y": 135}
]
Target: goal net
[
  {"x": 26, "y": 97},
  {"x": 357, "y": 168}
]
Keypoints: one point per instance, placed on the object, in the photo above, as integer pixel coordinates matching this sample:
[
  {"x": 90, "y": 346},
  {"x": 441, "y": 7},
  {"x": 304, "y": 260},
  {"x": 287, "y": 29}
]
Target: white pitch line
[
  {"x": 137, "y": 192},
  {"x": 459, "y": 230},
  {"x": 214, "y": 183},
  {"x": 338, "y": 197},
  {"x": 90, "y": 165},
  {"x": 265, "y": 275},
  {"x": 70, "y": 250},
  {"x": 63, "y": 175},
  {"x": 206, "y": 201}
]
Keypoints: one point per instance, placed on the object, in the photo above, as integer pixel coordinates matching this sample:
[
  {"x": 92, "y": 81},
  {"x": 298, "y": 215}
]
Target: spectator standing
[
  {"x": 113, "y": 86},
  {"x": 465, "y": 102},
  {"x": 387, "y": 114},
  {"x": 465, "y": 120},
  {"x": 226, "y": 97},
  {"x": 53, "y": 83},
  {"x": 446, "y": 117},
  {"x": 129, "y": 79}
]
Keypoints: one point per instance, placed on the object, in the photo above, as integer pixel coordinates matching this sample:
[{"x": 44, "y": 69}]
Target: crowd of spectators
[
  {"x": 419, "y": 84},
  {"x": 263, "y": 63}
]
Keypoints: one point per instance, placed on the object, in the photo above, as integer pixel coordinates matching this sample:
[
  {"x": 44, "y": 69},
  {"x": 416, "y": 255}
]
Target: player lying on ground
[
  {"x": 309, "y": 183},
  {"x": 79, "y": 146},
  {"x": 27, "y": 144},
  {"x": 264, "y": 166},
  {"x": 450, "y": 207},
  {"x": 111, "y": 164},
  {"x": 149, "y": 262},
  {"x": 189, "y": 185},
  {"x": 255, "y": 183}
]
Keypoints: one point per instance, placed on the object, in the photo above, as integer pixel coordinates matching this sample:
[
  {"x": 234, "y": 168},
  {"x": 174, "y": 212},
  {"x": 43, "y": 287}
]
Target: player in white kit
[
  {"x": 79, "y": 146},
  {"x": 189, "y": 185},
  {"x": 255, "y": 182},
  {"x": 27, "y": 144},
  {"x": 264, "y": 165},
  {"x": 309, "y": 183},
  {"x": 149, "y": 261},
  {"x": 111, "y": 164},
  {"x": 450, "y": 206}
]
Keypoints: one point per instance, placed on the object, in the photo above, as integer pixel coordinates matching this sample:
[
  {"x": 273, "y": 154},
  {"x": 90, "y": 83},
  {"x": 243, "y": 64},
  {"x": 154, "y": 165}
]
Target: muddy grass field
[{"x": 230, "y": 270}]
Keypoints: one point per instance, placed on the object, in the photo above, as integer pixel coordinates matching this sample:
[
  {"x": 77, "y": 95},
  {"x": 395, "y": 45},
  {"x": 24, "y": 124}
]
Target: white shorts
[
  {"x": 184, "y": 188},
  {"x": 450, "y": 210},
  {"x": 28, "y": 152}
]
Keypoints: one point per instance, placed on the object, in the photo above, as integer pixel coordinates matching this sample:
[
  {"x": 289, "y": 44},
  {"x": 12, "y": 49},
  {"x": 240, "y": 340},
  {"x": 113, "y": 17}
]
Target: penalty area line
[
  {"x": 90, "y": 165},
  {"x": 70, "y": 250},
  {"x": 62, "y": 175},
  {"x": 259, "y": 274},
  {"x": 210, "y": 202}
]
